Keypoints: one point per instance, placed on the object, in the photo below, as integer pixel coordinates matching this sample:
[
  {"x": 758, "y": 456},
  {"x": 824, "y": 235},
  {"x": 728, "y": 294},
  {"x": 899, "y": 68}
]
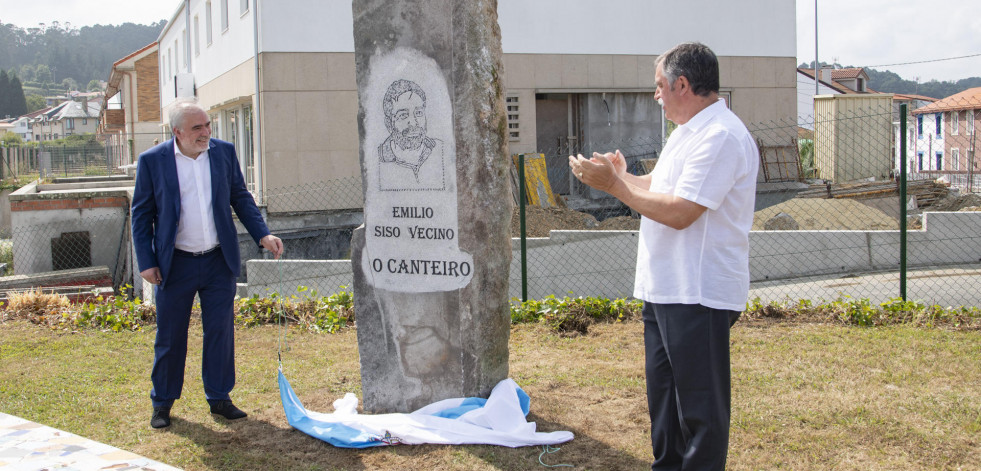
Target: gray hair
[
  {"x": 180, "y": 111},
  {"x": 696, "y": 62},
  {"x": 396, "y": 89}
]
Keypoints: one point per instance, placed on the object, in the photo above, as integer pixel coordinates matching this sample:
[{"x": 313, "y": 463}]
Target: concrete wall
[
  {"x": 5, "y": 213},
  {"x": 38, "y": 218},
  {"x": 602, "y": 263},
  {"x": 309, "y": 122}
]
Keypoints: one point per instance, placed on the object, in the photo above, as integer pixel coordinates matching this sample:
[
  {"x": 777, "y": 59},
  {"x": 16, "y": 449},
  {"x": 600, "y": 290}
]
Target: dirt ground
[{"x": 810, "y": 214}]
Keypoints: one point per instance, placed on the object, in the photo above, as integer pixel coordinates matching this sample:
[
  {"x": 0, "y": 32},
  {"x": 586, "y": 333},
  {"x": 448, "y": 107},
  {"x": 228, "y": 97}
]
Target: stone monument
[{"x": 431, "y": 261}]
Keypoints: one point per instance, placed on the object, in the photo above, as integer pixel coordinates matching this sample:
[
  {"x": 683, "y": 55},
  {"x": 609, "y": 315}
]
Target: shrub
[
  {"x": 309, "y": 310},
  {"x": 115, "y": 313},
  {"x": 574, "y": 315}
]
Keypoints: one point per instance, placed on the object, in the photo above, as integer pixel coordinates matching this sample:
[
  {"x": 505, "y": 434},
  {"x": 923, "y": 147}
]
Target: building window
[
  {"x": 955, "y": 121},
  {"x": 197, "y": 37},
  {"x": 177, "y": 58},
  {"x": 248, "y": 159},
  {"x": 70, "y": 123},
  {"x": 955, "y": 157},
  {"x": 919, "y": 126},
  {"x": 216, "y": 130},
  {"x": 970, "y": 160},
  {"x": 940, "y": 160},
  {"x": 514, "y": 123},
  {"x": 940, "y": 119},
  {"x": 85, "y": 121},
  {"x": 207, "y": 22},
  {"x": 919, "y": 161},
  {"x": 970, "y": 122},
  {"x": 224, "y": 15},
  {"x": 245, "y": 6}
]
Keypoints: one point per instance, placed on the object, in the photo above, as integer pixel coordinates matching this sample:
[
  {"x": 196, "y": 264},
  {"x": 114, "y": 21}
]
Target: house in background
[
  {"x": 280, "y": 82},
  {"x": 21, "y": 127},
  {"x": 832, "y": 81},
  {"x": 129, "y": 117},
  {"x": 946, "y": 140},
  {"x": 805, "y": 95},
  {"x": 912, "y": 102},
  {"x": 68, "y": 118}
]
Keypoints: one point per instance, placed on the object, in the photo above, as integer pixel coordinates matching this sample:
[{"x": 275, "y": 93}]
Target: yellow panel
[{"x": 537, "y": 189}]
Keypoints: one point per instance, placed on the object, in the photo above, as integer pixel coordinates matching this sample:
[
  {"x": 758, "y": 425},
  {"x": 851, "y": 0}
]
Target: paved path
[
  {"x": 960, "y": 286},
  {"x": 28, "y": 446}
]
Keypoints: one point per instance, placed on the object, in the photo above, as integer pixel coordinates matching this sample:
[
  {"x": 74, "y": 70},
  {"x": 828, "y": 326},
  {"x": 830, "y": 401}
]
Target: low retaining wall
[{"x": 602, "y": 263}]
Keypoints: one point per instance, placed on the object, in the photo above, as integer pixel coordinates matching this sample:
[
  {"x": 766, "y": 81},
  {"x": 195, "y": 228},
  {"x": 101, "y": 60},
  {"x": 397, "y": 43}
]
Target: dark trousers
[
  {"x": 209, "y": 277},
  {"x": 688, "y": 384}
]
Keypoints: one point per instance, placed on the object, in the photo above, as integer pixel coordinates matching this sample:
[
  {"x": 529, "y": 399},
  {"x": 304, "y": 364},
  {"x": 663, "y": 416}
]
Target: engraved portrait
[{"x": 409, "y": 159}]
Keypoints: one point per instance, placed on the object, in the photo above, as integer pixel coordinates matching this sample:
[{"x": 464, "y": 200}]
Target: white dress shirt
[
  {"x": 196, "y": 229},
  {"x": 711, "y": 160}
]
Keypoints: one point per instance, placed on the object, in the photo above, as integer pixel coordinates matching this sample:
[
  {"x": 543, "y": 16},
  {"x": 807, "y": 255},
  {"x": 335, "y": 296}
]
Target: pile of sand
[{"x": 828, "y": 214}]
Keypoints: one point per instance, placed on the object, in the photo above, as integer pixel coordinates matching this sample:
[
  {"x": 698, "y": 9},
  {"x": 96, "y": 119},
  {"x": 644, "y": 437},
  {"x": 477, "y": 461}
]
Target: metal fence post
[
  {"x": 902, "y": 201},
  {"x": 521, "y": 216}
]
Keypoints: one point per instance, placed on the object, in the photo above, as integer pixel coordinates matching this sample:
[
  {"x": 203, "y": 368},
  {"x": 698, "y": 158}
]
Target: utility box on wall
[{"x": 853, "y": 136}]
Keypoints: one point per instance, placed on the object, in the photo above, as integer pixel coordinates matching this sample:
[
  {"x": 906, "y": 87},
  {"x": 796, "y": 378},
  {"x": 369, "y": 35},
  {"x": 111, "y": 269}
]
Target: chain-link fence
[
  {"x": 838, "y": 213},
  {"x": 55, "y": 161}
]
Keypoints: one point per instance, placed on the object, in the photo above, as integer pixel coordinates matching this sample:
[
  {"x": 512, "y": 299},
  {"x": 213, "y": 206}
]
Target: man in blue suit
[{"x": 186, "y": 244}]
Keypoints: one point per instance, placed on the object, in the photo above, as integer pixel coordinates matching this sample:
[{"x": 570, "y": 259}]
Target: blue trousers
[
  {"x": 209, "y": 277},
  {"x": 688, "y": 384}
]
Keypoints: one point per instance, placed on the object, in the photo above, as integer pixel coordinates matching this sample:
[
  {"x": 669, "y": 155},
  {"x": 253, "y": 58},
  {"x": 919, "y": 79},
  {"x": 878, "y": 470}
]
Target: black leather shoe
[
  {"x": 227, "y": 410},
  {"x": 161, "y": 417}
]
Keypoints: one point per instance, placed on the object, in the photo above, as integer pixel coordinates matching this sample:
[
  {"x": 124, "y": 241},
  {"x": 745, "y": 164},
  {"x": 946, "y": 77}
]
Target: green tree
[
  {"x": 9, "y": 139},
  {"x": 35, "y": 102},
  {"x": 18, "y": 104},
  {"x": 27, "y": 73},
  {"x": 5, "y": 95},
  {"x": 94, "y": 86},
  {"x": 43, "y": 73},
  {"x": 69, "y": 83}
]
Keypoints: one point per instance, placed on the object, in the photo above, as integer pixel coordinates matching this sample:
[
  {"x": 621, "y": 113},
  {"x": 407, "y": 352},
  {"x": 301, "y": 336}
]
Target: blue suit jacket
[{"x": 157, "y": 206}]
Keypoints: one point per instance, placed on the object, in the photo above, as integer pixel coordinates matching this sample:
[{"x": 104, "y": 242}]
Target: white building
[
  {"x": 22, "y": 128},
  {"x": 574, "y": 72}
]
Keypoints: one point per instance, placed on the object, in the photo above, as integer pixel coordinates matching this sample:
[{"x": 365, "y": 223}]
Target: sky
[
  {"x": 879, "y": 33},
  {"x": 870, "y": 33}
]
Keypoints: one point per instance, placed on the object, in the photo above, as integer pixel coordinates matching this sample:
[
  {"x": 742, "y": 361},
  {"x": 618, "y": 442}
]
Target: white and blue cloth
[{"x": 498, "y": 420}]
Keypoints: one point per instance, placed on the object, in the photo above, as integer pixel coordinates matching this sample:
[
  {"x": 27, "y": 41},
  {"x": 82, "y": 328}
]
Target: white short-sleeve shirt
[{"x": 711, "y": 160}]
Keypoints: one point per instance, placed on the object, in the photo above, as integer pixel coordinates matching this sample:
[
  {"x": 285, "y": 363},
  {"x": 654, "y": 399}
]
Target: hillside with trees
[
  {"x": 52, "y": 59},
  {"x": 891, "y": 82}
]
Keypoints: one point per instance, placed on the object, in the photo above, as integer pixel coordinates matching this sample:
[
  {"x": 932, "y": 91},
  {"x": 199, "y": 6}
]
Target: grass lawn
[{"x": 805, "y": 396}]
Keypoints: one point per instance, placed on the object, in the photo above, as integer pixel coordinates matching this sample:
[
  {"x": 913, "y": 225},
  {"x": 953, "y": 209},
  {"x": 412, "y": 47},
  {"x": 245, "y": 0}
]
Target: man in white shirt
[
  {"x": 186, "y": 244},
  {"x": 693, "y": 255}
]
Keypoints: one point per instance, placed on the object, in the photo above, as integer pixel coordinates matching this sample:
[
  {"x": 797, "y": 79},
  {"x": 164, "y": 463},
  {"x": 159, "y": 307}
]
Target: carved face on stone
[
  {"x": 409, "y": 120},
  {"x": 405, "y": 114}
]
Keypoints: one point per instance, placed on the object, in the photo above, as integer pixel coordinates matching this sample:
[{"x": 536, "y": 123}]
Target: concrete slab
[{"x": 25, "y": 445}]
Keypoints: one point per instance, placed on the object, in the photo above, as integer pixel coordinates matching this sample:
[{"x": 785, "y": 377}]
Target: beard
[{"x": 411, "y": 138}]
